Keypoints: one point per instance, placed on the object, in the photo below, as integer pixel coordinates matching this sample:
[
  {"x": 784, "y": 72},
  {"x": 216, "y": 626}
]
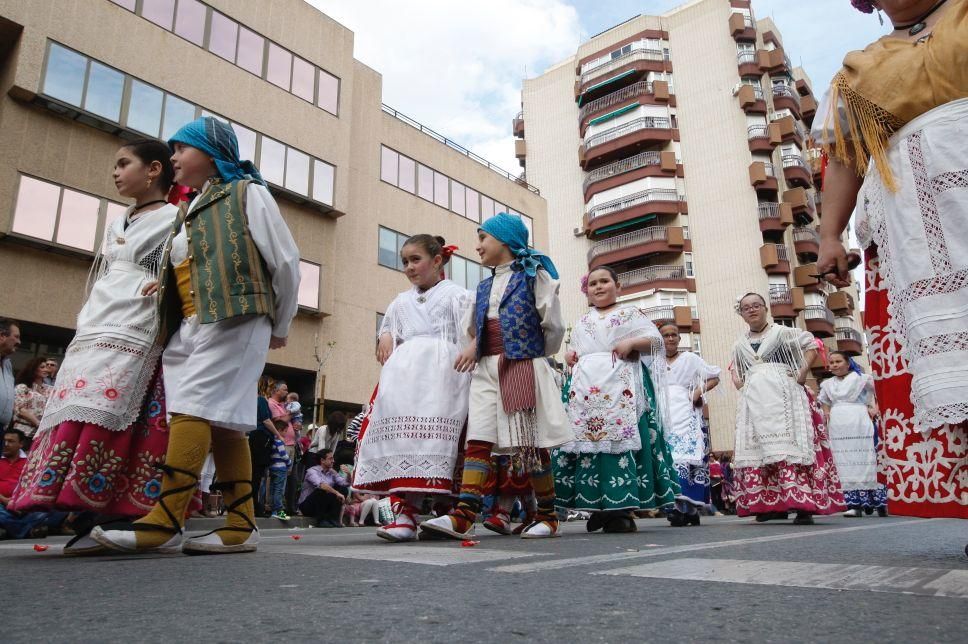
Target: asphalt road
[{"x": 841, "y": 580}]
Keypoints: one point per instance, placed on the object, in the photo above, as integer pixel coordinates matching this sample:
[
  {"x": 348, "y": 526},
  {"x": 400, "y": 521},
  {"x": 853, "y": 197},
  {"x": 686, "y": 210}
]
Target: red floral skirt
[
  {"x": 84, "y": 467},
  {"x": 926, "y": 473},
  {"x": 781, "y": 487}
]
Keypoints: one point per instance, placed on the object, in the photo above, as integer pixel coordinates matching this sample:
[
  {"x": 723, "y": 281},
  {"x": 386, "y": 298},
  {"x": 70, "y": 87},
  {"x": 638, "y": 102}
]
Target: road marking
[
  {"x": 427, "y": 555},
  {"x": 593, "y": 560},
  {"x": 933, "y": 582}
]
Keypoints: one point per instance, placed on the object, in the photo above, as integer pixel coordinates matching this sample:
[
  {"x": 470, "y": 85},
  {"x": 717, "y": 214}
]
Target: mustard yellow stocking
[{"x": 233, "y": 471}]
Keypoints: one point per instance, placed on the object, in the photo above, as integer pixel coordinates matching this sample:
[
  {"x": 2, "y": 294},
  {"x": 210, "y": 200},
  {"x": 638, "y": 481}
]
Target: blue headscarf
[
  {"x": 510, "y": 230},
  {"x": 217, "y": 139}
]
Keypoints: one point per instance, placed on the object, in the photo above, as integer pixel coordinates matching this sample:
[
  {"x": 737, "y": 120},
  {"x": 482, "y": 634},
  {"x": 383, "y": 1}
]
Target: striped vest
[
  {"x": 228, "y": 275},
  {"x": 520, "y": 323}
]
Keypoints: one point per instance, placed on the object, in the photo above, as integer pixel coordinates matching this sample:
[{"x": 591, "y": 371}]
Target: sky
[{"x": 457, "y": 67}]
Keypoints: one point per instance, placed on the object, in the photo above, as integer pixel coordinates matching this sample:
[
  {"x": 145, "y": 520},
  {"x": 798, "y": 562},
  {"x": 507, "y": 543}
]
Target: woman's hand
[
  {"x": 873, "y": 411},
  {"x": 832, "y": 261},
  {"x": 626, "y": 350},
  {"x": 384, "y": 347},
  {"x": 150, "y": 288},
  {"x": 277, "y": 343},
  {"x": 467, "y": 359},
  {"x": 571, "y": 358}
]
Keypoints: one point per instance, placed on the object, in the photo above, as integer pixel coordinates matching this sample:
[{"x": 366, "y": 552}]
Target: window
[
  {"x": 127, "y": 4},
  {"x": 104, "y": 89},
  {"x": 472, "y": 209},
  {"x": 272, "y": 162},
  {"x": 328, "y": 92},
  {"x": 379, "y": 322},
  {"x": 59, "y": 215},
  {"x": 303, "y": 79},
  {"x": 408, "y": 177},
  {"x": 425, "y": 182},
  {"x": 64, "y": 75},
  {"x": 688, "y": 262},
  {"x": 457, "y": 197},
  {"x": 297, "y": 171},
  {"x": 389, "y": 165},
  {"x": 246, "y": 139},
  {"x": 190, "y": 21},
  {"x": 464, "y": 272},
  {"x": 159, "y": 12},
  {"x": 529, "y": 224},
  {"x": 251, "y": 51},
  {"x": 223, "y": 37},
  {"x": 279, "y": 67},
  {"x": 177, "y": 114},
  {"x": 324, "y": 178},
  {"x": 144, "y": 109},
  {"x": 390, "y": 243},
  {"x": 487, "y": 207},
  {"x": 441, "y": 198},
  {"x": 309, "y": 283}
]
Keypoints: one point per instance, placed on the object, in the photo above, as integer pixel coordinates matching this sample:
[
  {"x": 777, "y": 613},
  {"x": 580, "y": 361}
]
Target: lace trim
[
  {"x": 602, "y": 447},
  {"x": 427, "y": 466}
]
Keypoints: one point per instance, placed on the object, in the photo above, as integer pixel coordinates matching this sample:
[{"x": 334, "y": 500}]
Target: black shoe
[
  {"x": 868, "y": 510},
  {"x": 803, "y": 518},
  {"x": 620, "y": 523},
  {"x": 882, "y": 511},
  {"x": 596, "y": 522}
]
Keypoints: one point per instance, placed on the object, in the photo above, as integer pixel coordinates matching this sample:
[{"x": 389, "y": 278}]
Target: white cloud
[{"x": 457, "y": 67}]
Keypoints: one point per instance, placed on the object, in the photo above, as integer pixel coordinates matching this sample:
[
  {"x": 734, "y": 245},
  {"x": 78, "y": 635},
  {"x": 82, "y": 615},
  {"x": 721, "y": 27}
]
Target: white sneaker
[
  {"x": 443, "y": 525},
  {"x": 403, "y": 528},
  {"x": 211, "y": 544},
  {"x": 856, "y": 512},
  {"x": 127, "y": 541},
  {"x": 540, "y": 530}
]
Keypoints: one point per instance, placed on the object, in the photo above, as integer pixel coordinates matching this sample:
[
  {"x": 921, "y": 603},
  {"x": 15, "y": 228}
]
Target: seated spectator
[
  {"x": 353, "y": 508},
  {"x": 18, "y": 525},
  {"x": 278, "y": 470},
  {"x": 323, "y": 492}
]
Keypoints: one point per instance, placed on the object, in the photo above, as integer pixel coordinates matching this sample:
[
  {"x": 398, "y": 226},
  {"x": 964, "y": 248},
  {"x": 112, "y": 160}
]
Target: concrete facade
[
  {"x": 654, "y": 150},
  {"x": 54, "y": 140}
]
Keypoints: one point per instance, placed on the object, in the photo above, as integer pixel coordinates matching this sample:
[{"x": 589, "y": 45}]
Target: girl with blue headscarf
[
  {"x": 515, "y": 404},
  {"x": 228, "y": 294}
]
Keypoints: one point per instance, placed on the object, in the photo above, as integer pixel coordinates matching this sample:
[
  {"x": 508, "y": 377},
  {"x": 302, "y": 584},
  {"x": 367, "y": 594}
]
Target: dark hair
[
  {"x": 433, "y": 245},
  {"x": 6, "y": 324},
  {"x": 672, "y": 324},
  {"x": 26, "y": 375},
  {"x": 739, "y": 302},
  {"x": 335, "y": 421},
  {"x": 149, "y": 151},
  {"x": 841, "y": 354},
  {"x": 20, "y": 435},
  {"x": 322, "y": 454},
  {"x": 607, "y": 269}
]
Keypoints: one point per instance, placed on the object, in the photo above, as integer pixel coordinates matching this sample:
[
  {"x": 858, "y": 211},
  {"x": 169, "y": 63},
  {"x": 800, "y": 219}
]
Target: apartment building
[
  {"x": 675, "y": 149},
  {"x": 352, "y": 176}
]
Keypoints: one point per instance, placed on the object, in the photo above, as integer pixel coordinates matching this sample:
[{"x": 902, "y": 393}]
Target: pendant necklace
[
  {"x": 120, "y": 240},
  {"x": 919, "y": 25}
]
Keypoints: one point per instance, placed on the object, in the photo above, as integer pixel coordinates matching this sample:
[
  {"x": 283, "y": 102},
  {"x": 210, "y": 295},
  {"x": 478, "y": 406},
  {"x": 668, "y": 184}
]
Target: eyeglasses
[{"x": 749, "y": 308}]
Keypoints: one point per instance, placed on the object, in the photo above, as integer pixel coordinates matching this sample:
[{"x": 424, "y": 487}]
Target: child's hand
[
  {"x": 571, "y": 358},
  {"x": 150, "y": 288},
  {"x": 626, "y": 350},
  {"x": 467, "y": 359},
  {"x": 384, "y": 348}
]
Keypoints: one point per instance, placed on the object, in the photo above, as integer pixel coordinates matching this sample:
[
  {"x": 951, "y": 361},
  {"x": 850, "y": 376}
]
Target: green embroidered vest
[{"x": 228, "y": 274}]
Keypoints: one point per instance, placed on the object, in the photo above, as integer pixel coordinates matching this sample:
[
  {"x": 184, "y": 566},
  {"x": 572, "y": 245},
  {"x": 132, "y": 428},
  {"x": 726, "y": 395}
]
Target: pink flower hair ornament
[
  {"x": 584, "y": 283},
  {"x": 865, "y": 6}
]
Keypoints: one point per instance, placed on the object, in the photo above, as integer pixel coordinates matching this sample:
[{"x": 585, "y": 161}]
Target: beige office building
[
  {"x": 674, "y": 148},
  {"x": 352, "y": 177}
]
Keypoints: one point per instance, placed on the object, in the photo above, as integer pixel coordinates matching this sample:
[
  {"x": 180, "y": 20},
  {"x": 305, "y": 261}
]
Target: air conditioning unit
[
  {"x": 736, "y": 88},
  {"x": 578, "y": 232}
]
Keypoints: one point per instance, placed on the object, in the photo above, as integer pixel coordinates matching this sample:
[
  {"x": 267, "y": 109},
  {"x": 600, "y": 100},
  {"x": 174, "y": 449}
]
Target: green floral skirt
[{"x": 633, "y": 480}]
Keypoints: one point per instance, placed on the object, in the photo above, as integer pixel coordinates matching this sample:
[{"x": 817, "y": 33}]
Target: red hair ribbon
[
  {"x": 447, "y": 251},
  {"x": 178, "y": 194}
]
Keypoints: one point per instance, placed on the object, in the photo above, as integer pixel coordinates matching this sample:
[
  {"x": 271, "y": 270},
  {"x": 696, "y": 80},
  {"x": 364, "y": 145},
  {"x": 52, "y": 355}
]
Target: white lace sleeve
[{"x": 389, "y": 323}]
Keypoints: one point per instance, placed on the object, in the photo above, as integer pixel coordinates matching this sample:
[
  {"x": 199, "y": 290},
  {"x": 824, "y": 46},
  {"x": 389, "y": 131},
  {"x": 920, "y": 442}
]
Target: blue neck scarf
[
  {"x": 510, "y": 230},
  {"x": 217, "y": 139}
]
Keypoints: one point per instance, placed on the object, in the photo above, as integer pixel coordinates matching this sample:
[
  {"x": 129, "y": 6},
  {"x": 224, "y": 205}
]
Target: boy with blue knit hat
[
  {"x": 228, "y": 294},
  {"x": 515, "y": 404}
]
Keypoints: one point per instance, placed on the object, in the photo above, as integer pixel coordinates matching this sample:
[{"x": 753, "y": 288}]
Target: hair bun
[{"x": 440, "y": 240}]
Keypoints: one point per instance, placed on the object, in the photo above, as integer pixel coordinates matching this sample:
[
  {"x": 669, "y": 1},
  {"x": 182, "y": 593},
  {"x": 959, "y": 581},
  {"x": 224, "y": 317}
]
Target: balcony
[
  {"x": 819, "y": 320},
  {"x": 643, "y": 164},
  {"x": 849, "y": 340},
  {"x": 774, "y": 217},
  {"x": 785, "y": 302},
  {"x": 763, "y": 176},
  {"x": 520, "y": 150},
  {"x": 634, "y": 63},
  {"x": 790, "y": 130},
  {"x": 748, "y": 63},
  {"x": 806, "y": 243},
  {"x": 802, "y": 277},
  {"x": 654, "y": 277},
  {"x": 808, "y": 109},
  {"x": 638, "y": 243},
  {"x": 775, "y": 259},
  {"x": 795, "y": 171},
  {"x": 625, "y": 138},
  {"x": 774, "y": 61},
  {"x": 785, "y": 98},
  {"x": 641, "y": 93},
  {"x": 517, "y": 125},
  {"x": 841, "y": 303},
  {"x": 801, "y": 203},
  {"x": 628, "y": 209},
  {"x": 741, "y": 27},
  {"x": 751, "y": 99},
  {"x": 763, "y": 138},
  {"x": 818, "y": 202}
]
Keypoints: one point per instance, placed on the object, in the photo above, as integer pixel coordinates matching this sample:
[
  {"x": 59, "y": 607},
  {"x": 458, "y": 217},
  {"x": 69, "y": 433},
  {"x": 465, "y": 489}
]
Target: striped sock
[
  {"x": 477, "y": 466},
  {"x": 543, "y": 482}
]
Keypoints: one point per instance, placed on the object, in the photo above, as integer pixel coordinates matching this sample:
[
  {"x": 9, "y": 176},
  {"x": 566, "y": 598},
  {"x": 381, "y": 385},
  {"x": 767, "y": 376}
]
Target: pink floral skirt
[
  {"x": 780, "y": 487},
  {"x": 84, "y": 467}
]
